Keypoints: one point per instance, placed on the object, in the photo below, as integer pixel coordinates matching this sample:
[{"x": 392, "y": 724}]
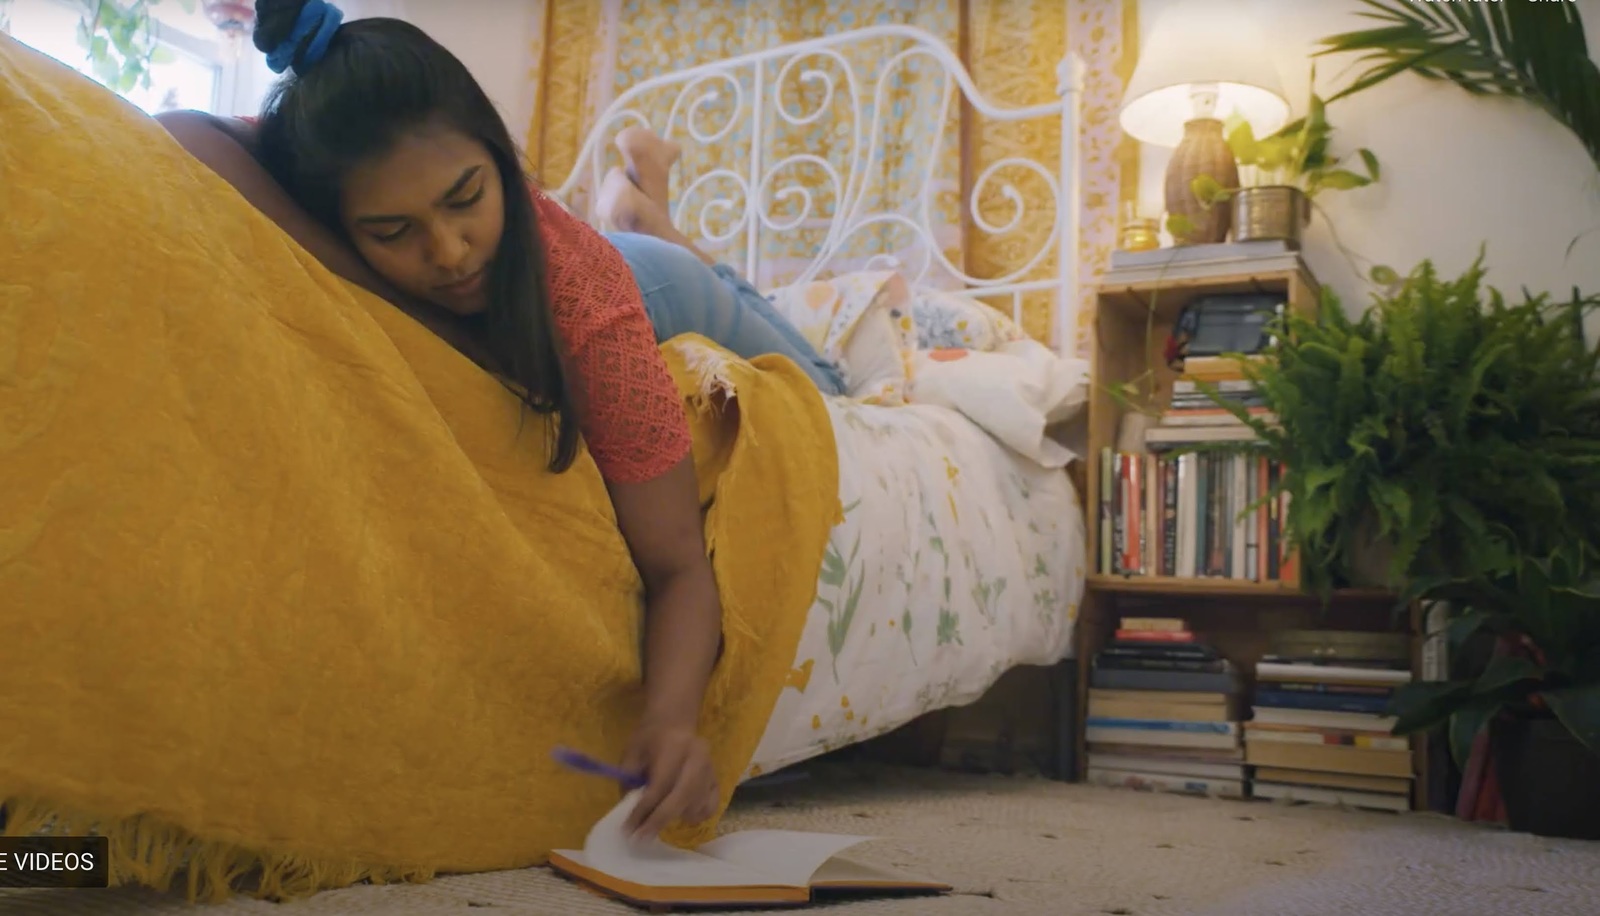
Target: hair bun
[
  {"x": 275, "y": 22},
  {"x": 294, "y": 33}
]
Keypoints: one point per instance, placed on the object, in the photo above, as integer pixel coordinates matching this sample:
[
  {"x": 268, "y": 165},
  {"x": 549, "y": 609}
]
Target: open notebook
[{"x": 752, "y": 867}]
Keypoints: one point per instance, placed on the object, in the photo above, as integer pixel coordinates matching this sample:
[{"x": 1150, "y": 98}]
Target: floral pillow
[
  {"x": 861, "y": 321},
  {"x": 951, "y": 320}
]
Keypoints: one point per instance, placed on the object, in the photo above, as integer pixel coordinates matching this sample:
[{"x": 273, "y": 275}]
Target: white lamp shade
[{"x": 1198, "y": 43}]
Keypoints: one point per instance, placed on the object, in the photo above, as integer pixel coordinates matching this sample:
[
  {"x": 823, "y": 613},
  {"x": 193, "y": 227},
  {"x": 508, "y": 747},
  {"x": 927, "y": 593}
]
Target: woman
[{"x": 384, "y": 158}]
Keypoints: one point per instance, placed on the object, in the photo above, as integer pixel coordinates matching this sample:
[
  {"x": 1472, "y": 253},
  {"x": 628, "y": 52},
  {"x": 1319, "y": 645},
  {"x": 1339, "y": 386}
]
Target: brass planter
[{"x": 1276, "y": 212}]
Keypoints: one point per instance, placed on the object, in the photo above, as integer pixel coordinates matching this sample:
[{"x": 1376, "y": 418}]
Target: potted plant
[
  {"x": 1538, "y": 696},
  {"x": 1280, "y": 175},
  {"x": 1435, "y": 439}
]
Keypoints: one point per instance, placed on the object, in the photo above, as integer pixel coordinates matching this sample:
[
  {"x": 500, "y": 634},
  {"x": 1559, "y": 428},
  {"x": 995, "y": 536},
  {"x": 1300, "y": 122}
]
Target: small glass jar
[{"x": 1139, "y": 234}]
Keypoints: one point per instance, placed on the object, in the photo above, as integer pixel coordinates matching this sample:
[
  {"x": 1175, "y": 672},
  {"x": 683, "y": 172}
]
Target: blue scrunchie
[{"x": 318, "y": 17}]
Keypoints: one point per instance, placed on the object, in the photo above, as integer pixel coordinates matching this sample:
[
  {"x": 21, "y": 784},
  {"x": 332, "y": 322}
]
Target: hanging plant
[{"x": 120, "y": 41}]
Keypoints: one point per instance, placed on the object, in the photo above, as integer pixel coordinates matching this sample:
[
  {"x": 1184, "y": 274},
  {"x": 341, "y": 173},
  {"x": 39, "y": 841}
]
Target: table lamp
[{"x": 1201, "y": 63}]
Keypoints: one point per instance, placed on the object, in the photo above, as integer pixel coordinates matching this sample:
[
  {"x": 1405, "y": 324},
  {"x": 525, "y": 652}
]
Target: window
[{"x": 196, "y": 66}]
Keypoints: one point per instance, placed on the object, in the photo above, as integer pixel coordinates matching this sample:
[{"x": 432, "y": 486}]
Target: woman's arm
[
  {"x": 660, "y": 520},
  {"x": 227, "y": 148}
]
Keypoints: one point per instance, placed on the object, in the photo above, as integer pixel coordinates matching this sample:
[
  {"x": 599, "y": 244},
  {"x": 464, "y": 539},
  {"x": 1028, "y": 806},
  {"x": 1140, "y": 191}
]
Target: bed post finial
[{"x": 1070, "y": 74}]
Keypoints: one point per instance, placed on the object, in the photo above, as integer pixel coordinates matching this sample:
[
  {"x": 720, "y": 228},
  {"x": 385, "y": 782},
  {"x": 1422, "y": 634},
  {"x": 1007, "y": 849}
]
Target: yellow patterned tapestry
[
  {"x": 285, "y": 584},
  {"x": 587, "y": 53}
]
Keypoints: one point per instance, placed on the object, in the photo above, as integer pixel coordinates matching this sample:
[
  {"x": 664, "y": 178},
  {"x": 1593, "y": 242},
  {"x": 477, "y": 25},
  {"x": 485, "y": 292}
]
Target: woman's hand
[{"x": 681, "y": 784}]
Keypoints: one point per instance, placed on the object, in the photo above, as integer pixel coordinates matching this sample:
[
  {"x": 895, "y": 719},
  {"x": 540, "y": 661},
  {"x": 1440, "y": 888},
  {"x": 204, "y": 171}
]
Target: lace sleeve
[{"x": 632, "y": 416}]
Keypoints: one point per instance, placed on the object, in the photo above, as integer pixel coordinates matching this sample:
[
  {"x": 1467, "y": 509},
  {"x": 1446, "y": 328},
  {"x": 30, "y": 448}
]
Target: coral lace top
[{"x": 633, "y": 421}]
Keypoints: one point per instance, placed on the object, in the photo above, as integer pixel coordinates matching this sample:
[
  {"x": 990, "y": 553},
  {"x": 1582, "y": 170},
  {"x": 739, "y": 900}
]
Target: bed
[{"x": 962, "y": 552}]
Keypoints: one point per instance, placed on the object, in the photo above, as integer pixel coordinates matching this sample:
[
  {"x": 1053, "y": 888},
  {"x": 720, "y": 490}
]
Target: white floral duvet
[{"x": 957, "y": 559}]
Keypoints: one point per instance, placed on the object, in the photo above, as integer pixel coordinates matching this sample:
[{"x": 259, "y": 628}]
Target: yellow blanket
[{"x": 284, "y": 585}]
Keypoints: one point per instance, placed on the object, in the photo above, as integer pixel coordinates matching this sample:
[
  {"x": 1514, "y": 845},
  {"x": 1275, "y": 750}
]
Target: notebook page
[
  {"x": 651, "y": 862},
  {"x": 791, "y": 856}
]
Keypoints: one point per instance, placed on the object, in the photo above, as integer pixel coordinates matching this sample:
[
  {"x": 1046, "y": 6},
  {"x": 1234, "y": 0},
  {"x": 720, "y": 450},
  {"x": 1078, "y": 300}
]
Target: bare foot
[
  {"x": 649, "y": 160},
  {"x": 623, "y": 207}
]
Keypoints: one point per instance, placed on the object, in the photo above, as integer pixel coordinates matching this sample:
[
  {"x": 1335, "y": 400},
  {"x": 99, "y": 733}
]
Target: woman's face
[{"x": 428, "y": 215}]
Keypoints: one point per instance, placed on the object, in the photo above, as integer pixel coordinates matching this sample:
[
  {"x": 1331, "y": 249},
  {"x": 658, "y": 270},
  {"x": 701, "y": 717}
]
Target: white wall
[
  {"x": 492, "y": 37},
  {"x": 1457, "y": 171}
]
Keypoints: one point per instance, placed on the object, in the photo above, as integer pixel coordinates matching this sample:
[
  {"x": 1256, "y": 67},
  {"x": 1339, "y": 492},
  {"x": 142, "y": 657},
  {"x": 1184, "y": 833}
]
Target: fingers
[
  {"x": 686, "y": 790},
  {"x": 662, "y": 771},
  {"x": 708, "y": 806},
  {"x": 682, "y": 786}
]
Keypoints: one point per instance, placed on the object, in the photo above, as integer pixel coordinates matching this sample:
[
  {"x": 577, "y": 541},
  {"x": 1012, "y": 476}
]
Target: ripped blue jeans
[{"x": 684, "y": 295}]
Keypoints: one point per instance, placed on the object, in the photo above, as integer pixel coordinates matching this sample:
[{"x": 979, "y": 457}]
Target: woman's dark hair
[{"x": 377, "y": 80}]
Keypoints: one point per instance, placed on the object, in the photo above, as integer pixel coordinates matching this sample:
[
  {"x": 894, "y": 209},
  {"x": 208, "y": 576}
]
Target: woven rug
[{"x": 1026, "y": 845}]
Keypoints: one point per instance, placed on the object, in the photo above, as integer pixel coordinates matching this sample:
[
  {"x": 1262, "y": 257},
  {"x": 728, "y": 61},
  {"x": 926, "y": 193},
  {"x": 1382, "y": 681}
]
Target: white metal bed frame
[{"x": 769, "y": 72}]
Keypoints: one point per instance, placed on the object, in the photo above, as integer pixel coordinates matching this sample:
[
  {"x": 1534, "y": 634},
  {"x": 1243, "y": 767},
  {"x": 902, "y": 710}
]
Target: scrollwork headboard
[{"x": 846, "y": 152}]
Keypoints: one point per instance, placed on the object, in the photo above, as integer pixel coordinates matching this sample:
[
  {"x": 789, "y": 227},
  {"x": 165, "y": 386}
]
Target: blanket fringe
[
  {"x": 716, "y": 387},
  {"x": 711, "y": 368},
  {"x": 149, "y": 852}
]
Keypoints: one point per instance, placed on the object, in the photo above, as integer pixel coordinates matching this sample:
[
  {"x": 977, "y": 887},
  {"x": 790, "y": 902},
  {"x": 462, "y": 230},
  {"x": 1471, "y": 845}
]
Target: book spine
[
  {"x": 1133, "y": 635},
  {"x": 1138, "y": 663},
  {"x": 1106, "y": 508},
  {"x": 1325, "y": 702},
  {"x": 1158, "y": 650},
  {"x": 1197, "y": 681},
  {"x": 1238, "y": 467},
  {"x": 1274, "y": 527},
  {"x": 1349, "y": 690},
  {"x": 1169, "y": 519},
  {"x": 1165, "y": 782},
  {"x": 1202, "y": 504},
  {"x": 1164, "y": 725}
]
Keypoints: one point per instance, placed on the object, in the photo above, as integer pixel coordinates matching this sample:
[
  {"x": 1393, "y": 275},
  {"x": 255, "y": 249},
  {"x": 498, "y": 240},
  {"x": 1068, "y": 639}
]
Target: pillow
[
  {"x": 1020, "y": 393},
  {"x": 947, "y": 319},
  {"x": 861, "y": 321}
]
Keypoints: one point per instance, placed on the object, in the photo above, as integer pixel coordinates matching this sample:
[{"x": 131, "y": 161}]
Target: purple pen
[{"x": 583, "y": 763}]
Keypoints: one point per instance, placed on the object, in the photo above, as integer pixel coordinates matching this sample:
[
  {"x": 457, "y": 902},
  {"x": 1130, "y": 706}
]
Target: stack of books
[
  {"x": 1191, "y": 416},
  {"x": 1319, "y": 732},
  {"x": 1163, "y": 713},
  {"x": 1191, "y": 262}
]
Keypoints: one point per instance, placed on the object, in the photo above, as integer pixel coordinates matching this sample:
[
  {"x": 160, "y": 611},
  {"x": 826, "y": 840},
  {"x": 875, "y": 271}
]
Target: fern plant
[
  {"x": 1458, "y": 427},
  {"x": 1535, "y": 51}
]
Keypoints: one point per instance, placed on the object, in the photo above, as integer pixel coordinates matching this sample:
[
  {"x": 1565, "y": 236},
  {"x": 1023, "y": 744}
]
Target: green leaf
[
  {"x": 1423, "y": 705},
  {"x": 162, "y": 55},
  {"x": 1242, "y": 141},
  {"x": 1384, "y": 275},
  {"x": 1370, "y": 161},
  {"x": 1179, "y": 226},
  {"x": 1462, "y": 628},
  {"x": 1578, "y": 708},
  {"x": 1465, "y": 726},
  {"x": 1505, "y": 671},
  {"x": 1341, "y": 179},
  {"x": 1208, "y": 191}
]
